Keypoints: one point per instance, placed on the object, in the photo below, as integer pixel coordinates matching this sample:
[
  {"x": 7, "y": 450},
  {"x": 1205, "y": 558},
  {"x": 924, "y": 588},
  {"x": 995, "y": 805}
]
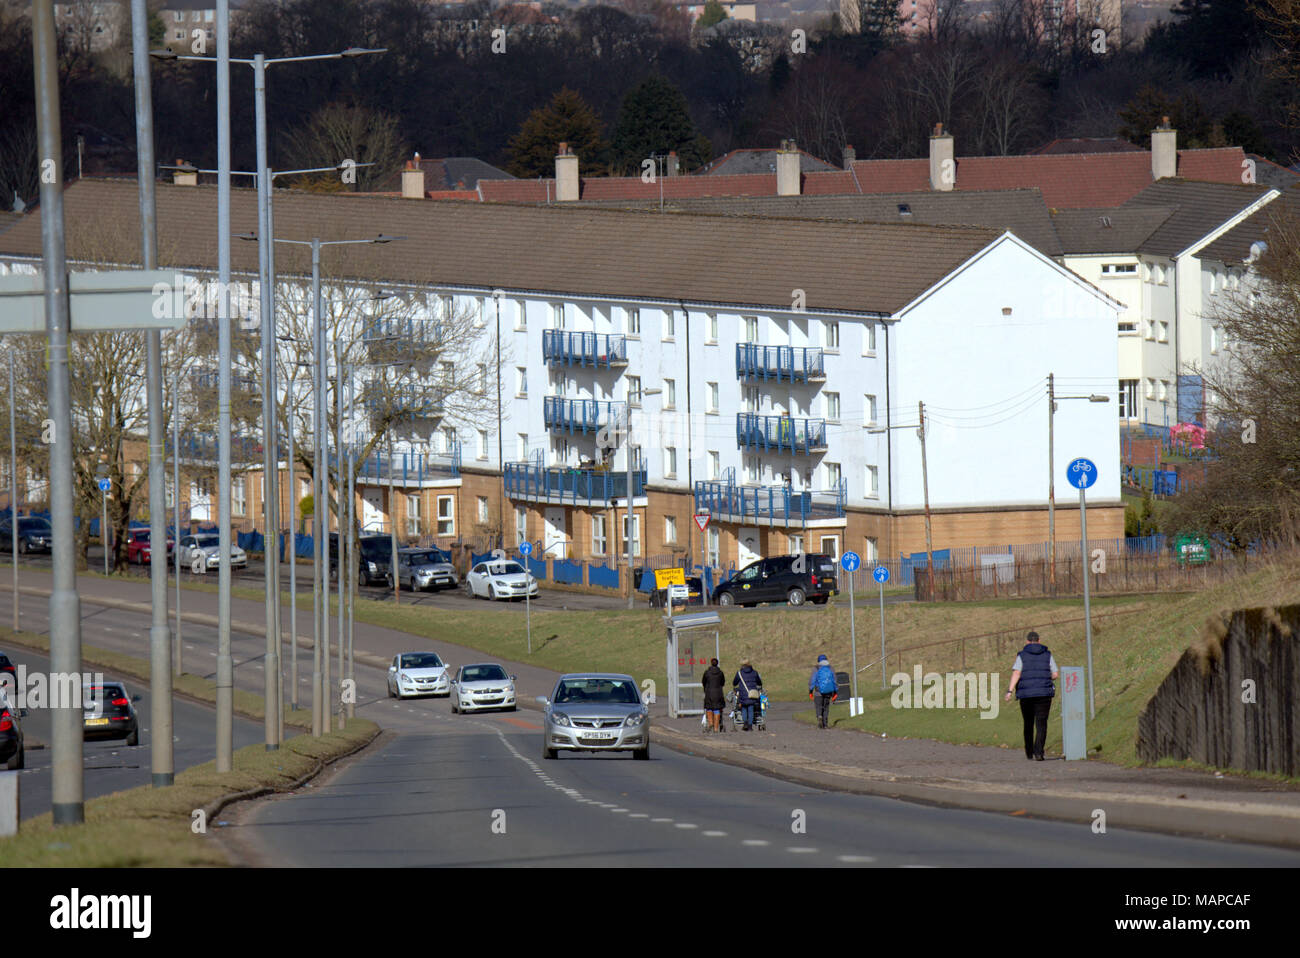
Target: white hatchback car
[
  {"x": 203, "y": 552},
  {"x": 484, "y": 686},
  {"x": 418, "y": 673},
  {"x": 500, "y": 579}
]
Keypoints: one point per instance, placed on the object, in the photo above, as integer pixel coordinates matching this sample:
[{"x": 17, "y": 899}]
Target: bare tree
[{"x": 341, "y": 132}]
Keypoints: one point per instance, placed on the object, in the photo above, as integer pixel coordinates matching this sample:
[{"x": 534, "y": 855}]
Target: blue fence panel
[
  {"x": 304, "y": 546},
  {"x": 603, "y": 576},
  {"x": 481, "y": 557},
  {"x": 538, "y": 568},
  {"x": 909, "y": 565},
  {"x": 566, "y": 572}
]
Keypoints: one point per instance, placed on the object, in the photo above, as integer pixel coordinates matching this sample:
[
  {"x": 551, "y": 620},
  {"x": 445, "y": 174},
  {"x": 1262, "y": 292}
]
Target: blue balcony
[
  {"x": 587, "y": 487},
  {"x": 801, "y": 437},
  {"x": 560, "y": 347},
  {"x": 579, "y": 415},
  {"x": 410, "y": 468},
  {"x": 768, "y": 505},
  {"x": 788, "y": 364}
]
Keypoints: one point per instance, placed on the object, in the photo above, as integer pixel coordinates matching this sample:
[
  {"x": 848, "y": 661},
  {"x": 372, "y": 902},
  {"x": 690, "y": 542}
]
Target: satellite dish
[{"x": 1257, "y": 249}]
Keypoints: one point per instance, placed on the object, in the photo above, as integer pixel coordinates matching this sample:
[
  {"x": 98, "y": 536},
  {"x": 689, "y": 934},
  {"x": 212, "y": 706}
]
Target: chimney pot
[
  {"x": 943, "y": 164},
  {"x": 850, "y": 155},
  {"x": 566, "y": 175},
  {"x": 182, "y": 177},
  {"x": 787, "y": 169},
  {"x": 674, "y": 164},
  {"x": 413, "y": 180},
  {"x": 1164, "y": 151}
]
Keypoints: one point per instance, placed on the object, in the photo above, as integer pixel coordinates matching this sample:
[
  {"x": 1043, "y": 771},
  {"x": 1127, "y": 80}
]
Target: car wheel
[
  {"x": 726, "y": 599},
  {"x": 469, "y": 589},
  {"x": 642, "y": 754},
  {"x": 133, "y": 739},
  {"x": 454, "y": 710},
  {"x": 16, "y": 761},
  {"x": 796, "y": 597},
  {"x": 22, "y": 547},
  {"x": 549, "y": 753},
  {"x": 513, "y": 708},
  {"x": 492, "y": 594}
]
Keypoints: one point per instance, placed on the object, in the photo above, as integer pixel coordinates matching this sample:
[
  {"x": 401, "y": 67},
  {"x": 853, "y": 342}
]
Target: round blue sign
[
  {"x": 525, "y": 549},
  {"x": 105, "y": 484},
  {"x": 1081, "y": 473},
  {"x": 880, "y": 574},
  {"x": 850, "y": 561}
]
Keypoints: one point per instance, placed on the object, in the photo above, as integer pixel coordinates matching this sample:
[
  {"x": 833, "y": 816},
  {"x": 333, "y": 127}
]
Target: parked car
[
  {"x": 595, "y": 712},
  {"x": 203, "y": 552},
  {"x": 483, "y": 686},
  {"x": 418, "y": 673},
  {"x": 34, "y": 535},
  {"x": 374, "y": 553},
  {"x": 8, "y": 674},
  {"x": 137, "y": 546},
  {"x": 11, "y": 734},
  {"x": 109, "y": 713},
  {"x": 500, "y": 579},
  {"x": 425, "y": 569},
  {"x": 793, "y": 579},
  {"x": 694, "y": 593}
]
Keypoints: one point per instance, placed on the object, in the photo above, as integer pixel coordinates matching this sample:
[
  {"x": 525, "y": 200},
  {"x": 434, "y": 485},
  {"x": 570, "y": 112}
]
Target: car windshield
[
  {"x": 140, "y": 535},
  {"x": 506, "y": 568},
  {"x": 427, "y": 558},
  {"x": 483, "y": 673},
  {"x": 421, "y": 660},
  {"x": 372, "y": 548},
  {"x": 602, "y": 691},
  {"x": 33, "y": 525},
  {"x": 207, "y": 542}
]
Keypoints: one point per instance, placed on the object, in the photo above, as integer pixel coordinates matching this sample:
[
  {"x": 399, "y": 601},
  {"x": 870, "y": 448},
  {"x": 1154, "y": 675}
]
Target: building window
[
  {"x": 599, "y": 536},
  {"x": 713, "y": 398},
  {"x": 557, "y": 316},
  {"x": 480, "y": 313},
  {"x": 521, "y": 314},
  {"x": 448, "y": 440},
  {"x": 482, "y": 444},
  {"x": 751, "y": 329},
  {"x": 712, "y": 336},
  {"x": 238, "y": 496},
  {"x": 869, "y": 410},
  {"x": 670, "y": 530},
  {"x": 753, "y": 471},
  {"x": 1214, "y": 340},
  {"x": 715, "y": 553},
  {"x": 1118, "y": 269},
  {"x": 521, "y": 447},
  {"x": 447, "y": 372},
  {"x": 1151, "y": 389},
  {"x": 521, "y": 380},
  {"x": 670, "y": 323},
  {"x": 1128, "y": 399},
  {"x": 446, "y": 307},
  {"x": 796, "y": 544},
  {"x": 636, "y": 535},
  {"x": 1162, "y": 332},
  {"x": 521, "y": 524},
  {"x": 413, "y": 515},
  {"x": 446, "y": 516},
  {"x": 832, "y": 335},
  {"x": 634, "y": 390},
  {"x": 715, "y": 464},
  {"x": 482, "y": 508},
  {"x": 670, "y": 462},
  {"x": 869, "y": 339},
  {"x": 670, "y": 394},
  {"x": 1149, "y": 329},
  {"x": 873, "y": 482},
  {"x": 482, "y": 379},
  {"x": 1128, "y": 327},
  {"x": 1164, "y": 390},
  {"x": 870, "y": 551},
  {"x": 831, "y": 475},
  {"x": 833, "y": 407},
  {"x": 634, "y": 322}
]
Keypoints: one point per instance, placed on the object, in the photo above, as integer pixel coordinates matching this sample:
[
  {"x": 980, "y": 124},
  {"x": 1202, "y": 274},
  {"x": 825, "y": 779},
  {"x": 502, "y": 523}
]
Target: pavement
[{"x": 1179, "y": 801}]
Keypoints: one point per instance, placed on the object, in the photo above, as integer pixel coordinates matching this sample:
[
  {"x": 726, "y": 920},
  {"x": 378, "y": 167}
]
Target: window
[
  {"x": 715, "y": 464},
  {"x": 636, "y": 535},
  {"x": 448, "y": 439},
  {"x": 1151, "y": 389},
  {"x": 482, "y": 379},
  {"x": 480, "y": 313},
  {"x": 413, "y": 515},
  {"x": 1128, "y": 327},
  {"x": 1211, "y": 277},
  {"x": 180, "y": 34},
  {"x": 1214, "y": 339},
  {"x": 870, "y": 551},
  {"x": 445, "y": 307},
  {"x": 751, "y": 329},
  {"x": 482, "y": 444},
  {"x": 670, "y": 462},
  {"x": 873, "y": 482},
  {"x": 521, "y": 314},
  {"x": 753, "y": 471},
  {"x": 869, "y": 339},
  {"x": 712, "y": 336},
  {"x": 447, "y": 371},
  {"x": 1164, "y": 390},
  {"x": 446, "y": 516},
  {"x": 1118, "y": 269},
  {"x": 599, "y": 536},
  {"x": 521, "y": 524},
  {"x": 482, "y": 508},
  {"x": 521, "y": 381},
  {"x": 796, "y": 544},
  {"x": 1162, "y": 332},
  {"x": 238, "y": 496},
  {"x": 557, "y": 316},
  {"x": 670, "y": 323},
  {"x": 1149, "y": 329},
  {"x": 713, "y": 398},
  {"x": 715, "y": 553},
  {"x": 670, "y": 529},
  {"x": 634, "y": 322},
  {"x": 670, "y": 394},
  {"x": 1128, "y": 399},
  {"x": 832, "y": 335},
  {"x": 634, "y": 390},
  {"x": 869, "y": 410},
  {"x": 521, "y": 447},
  {"x": 831, "y": 475},
  {"x": 833, "y": 407}
]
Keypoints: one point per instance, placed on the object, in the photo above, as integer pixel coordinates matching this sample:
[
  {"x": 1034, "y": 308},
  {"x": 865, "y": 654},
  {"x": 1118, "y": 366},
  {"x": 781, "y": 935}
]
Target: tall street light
[
  {"x": 1052, "y": 400},
  {"x": 631, "y": 525},
  {"x": 925, "y": 485}
]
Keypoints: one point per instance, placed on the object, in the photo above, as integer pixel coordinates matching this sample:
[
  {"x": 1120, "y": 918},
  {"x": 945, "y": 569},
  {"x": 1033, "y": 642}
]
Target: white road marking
[
  {"x": 617, "y": 810},
  {"x": 685, "y": 825},
  {"x": 661, "y": 819},
  {"x": 854, "y": 859},
  {"x": 755, "y": 842},
  {"x": 714, "y": 834},
  {"x": 638, "y": 815},
  {"x": 801, "y": 850}
]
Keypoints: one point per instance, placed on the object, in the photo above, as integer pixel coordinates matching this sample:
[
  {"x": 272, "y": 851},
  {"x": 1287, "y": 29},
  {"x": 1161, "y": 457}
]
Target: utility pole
[
  {"x": 318, "y": 493},
  {"x": 176, "y": 507},
  {"x": 631, "y": 586},
  {"x": 1051, "y": 484},
  {"x": 925, "y": 485},
  {"x": 225, "y": 663}
]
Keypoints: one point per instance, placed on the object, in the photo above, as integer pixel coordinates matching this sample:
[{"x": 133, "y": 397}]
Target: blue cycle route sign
[
  {"x": 850, "y": 561},
  {"x": 525, "y": 549},
  {"x": 105, "y": 484},
  {"x": 1081, "y": 473},
  {"x": 880, "y": 574}
]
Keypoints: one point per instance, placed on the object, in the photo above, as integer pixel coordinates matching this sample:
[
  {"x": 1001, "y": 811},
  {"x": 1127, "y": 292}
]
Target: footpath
[{"x": 1179, "y": 801}]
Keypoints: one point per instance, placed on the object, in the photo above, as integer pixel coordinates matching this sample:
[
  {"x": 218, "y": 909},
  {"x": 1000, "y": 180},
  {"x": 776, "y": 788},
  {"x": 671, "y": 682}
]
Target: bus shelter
[{"x": 688, "y": 657}]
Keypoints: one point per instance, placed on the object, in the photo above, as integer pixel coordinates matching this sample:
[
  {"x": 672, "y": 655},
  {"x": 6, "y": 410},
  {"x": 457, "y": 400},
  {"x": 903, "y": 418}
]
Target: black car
[
  {"x": 374, "y": 554},
  {"x": 7, "y": 668},
  {"x": 793, "y": 579},
  {"x": 109, "y": 712},
  {"x": 34, "y": 534},
  {"x": 694, "y": 593},
  {"x": 11, "y": 734}
]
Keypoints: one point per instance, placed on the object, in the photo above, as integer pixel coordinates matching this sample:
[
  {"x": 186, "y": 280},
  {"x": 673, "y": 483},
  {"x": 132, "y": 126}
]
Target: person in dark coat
[
  {"x": 1033, "y": 683},
  {"x": 749, "y": 683},
  {"x": 714, "y": 681}
]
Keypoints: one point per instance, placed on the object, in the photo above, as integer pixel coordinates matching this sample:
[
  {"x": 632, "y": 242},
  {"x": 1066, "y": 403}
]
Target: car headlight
[
  {"x": 371, "y": 567},
  {"x": 404, "y": 677},
  {"x": 501, "y": 585},
  {"x": 637, "y": 718},
  {"x": 559, "y": 718}
]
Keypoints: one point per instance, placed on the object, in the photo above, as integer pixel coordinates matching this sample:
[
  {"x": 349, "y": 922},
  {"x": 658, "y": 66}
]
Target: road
[{"x": 110, "y": 765}]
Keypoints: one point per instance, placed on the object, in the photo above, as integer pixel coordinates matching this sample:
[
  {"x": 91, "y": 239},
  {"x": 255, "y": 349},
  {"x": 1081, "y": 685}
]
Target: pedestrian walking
[
  {"x": 714, "y": 681},
  {"x": 823, "y": 690},
  {"x": 1033, "y": 682},
  {"x": 749, "y": 683}
]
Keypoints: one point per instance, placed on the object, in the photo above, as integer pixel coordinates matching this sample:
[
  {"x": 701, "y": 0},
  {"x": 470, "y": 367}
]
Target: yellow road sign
[{"x": 666, "y": 577}]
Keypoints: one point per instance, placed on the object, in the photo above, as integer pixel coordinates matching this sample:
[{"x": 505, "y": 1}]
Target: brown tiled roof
[
  {"x": 1107, "y": 230},
  {"x": 1199, "y": 209},
  {"x": 1088, "y": 144},
  {"x": 725, "y": 260},
  {"x": 630, "y": 188},
  {"x": 759, "y": 161},
  {"x": 1020, "y": 211},
  {"x": 1234, "y": 246}
]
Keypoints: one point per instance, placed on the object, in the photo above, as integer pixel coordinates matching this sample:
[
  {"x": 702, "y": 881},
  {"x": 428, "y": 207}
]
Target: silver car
[
  {"x": 483, "y": 686},
  {"x": 203, "y": 552},
  {"x": 595, "y": 712},
  {"x": 425, "y": 569}
]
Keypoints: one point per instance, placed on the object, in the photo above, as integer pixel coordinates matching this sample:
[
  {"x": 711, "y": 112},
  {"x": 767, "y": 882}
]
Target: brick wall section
[{"x": 1198, "y": 712}]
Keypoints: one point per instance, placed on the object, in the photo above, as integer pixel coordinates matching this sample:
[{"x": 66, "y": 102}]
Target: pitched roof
[
  {"x": 1234, "y": 246},
  {"x": 1268, "y": 173},
  {"x": 1019, "y": 211},
  {"x": 1087, "y": 144},
  {"x": 449, "y": 173},
  {"x": 1107, "y": 230},
  {"x": 563, "y": 250},
  {"x": 759, "y": 161},
  {"x": 630, "y": 187},
  {"x": 1199, "y": 209}
]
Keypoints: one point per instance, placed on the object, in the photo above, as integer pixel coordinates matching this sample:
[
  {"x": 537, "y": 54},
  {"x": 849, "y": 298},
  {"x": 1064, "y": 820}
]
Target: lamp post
[
  {"x": 631, "y": 524},
  {"x": 176, "y": 507},
  {"x": 925, "y": 485},
  {"x": 1052, "y": 400},
  {"x": 13, "y": 488}
]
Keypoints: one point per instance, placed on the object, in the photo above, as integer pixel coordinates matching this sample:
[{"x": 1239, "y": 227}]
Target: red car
[{"x": 137, "y": 546}]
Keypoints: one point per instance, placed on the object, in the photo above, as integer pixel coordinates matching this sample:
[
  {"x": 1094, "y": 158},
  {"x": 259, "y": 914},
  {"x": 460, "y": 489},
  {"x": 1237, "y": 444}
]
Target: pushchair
[{"x": 735, "y": 713}]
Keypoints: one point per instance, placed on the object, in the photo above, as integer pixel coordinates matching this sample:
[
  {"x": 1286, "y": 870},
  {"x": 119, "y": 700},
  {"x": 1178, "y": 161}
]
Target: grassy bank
[{"x": 151, "y": 827}]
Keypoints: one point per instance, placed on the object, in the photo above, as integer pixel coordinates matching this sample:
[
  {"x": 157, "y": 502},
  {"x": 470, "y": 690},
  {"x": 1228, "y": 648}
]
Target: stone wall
[{"x": 1205, "y": 709}]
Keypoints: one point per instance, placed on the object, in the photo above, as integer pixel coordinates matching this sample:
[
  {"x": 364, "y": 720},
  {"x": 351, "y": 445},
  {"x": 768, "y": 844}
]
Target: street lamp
[
  {"x": 1052, "y": 399},
  {"x": 631, "y": 525},
  {"x": 925, "y": 485}
]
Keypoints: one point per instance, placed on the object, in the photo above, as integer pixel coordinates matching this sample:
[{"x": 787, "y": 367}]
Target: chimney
[
  {"x": 1164, "y": 150},
  {"x": 787, "y": 169},
  {"x": 182, "y": 178},
  {"x": 413, "y": 180},
  {"x": 566, "y": 175},
  {"x": 674, "y": 165},
  {"x": 850, "y": 156},
  {"x": 943, "y": 166}
]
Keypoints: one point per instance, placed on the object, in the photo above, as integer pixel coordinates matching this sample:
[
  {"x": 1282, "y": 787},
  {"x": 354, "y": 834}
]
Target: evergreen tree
[
  {"x": 712, "y": 15},
  {"x": 566, "y": 119},
  {"x": 654, "y": 119}
]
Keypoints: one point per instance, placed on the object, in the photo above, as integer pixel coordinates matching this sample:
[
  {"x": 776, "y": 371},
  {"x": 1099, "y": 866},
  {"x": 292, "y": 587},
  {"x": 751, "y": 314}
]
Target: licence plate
[
  {"x": 96, "y": 721},
  {"x": 608, "y": 736}
]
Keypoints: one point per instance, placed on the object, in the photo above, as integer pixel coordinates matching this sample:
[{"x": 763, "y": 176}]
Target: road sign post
[
  {"x": 850, "y": 562},
  {"x": 1081, "y": 473},
  {"x": 881, "y": 574},
  {"x": 525, "y": 550},
  {"x": 105, "y": 484}
]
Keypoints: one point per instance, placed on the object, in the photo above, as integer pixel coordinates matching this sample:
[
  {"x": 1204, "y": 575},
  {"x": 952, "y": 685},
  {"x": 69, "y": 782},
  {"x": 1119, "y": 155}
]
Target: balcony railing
[
  {"x": 790, "y": 364},
  {"x": 527, "y": 480},
  {"x": 771, "y": 504},
  {"x": 579, "y": 415},
  {"x": 411, "y": 468},
  {"x": 561, "y": 347},
  {"x": 780, "y": 434}
]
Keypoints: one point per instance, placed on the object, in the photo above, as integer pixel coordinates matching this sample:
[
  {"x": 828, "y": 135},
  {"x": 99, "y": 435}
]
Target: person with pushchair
[
  {"x": 749, "y": 685},
  {"x": 823, "y": 690}
]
